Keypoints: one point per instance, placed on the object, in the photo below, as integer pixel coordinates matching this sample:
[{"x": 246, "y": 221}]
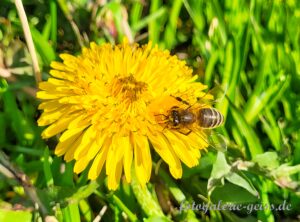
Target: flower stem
[{"x": 145, "y": 199}]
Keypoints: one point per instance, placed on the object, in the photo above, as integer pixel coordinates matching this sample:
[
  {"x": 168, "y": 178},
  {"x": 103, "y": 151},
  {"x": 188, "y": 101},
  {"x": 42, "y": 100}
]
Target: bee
[
  {"x": 183, "y": 120},
  {"x": 206, "y": 118}
]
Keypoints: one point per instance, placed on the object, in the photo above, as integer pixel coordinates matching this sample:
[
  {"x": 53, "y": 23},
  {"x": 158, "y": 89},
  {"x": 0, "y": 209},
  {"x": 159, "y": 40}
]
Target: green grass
[{"x": 251, "y": 49}]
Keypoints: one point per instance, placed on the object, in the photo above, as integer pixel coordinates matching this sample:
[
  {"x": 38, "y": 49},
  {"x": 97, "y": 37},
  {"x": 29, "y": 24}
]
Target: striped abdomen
[{"x": 210, "y": 118}]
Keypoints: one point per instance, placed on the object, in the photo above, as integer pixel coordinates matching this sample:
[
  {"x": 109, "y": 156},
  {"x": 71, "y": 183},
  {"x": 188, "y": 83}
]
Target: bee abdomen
[{"x": 210, "y": 118}]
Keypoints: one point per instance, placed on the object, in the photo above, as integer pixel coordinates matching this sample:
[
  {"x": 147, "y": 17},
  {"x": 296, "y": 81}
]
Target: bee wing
[
  {"x": 217, "y": 141},
  {"x": 217, "y": 92}
]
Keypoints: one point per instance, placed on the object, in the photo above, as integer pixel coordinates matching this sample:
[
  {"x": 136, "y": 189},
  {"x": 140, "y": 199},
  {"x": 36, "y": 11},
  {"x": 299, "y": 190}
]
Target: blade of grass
[
  {"x": 3, "y": 124},
  {"x": 86, "y": 210},
  {"x": 29, "y": 41},
  {"x": 19, "y": 123},
  {"x": 238, "y": 138},
  {"x": 146, "y": 20},
  {"x": 271, "y": 127},
  {"x": 136, "y": 12},
  {"x": 71, "y": 213},
  {"x": 154, "y": 25},
  {"x": 227, "y": 75},
  {"x": 265, "y": 214},
  {"x": 9, "y": 170},
  {"x": 64, "y": 7},
  {"x": 176, "y": 192},
  {"x": 195, "y": 14},
  {"x": 170, "y": 31},
  {"x": 210, "y": 68},
  {"x": 258, "y": 101},
  {"x": 83, "y": 192},
  {"x": 53, "y": 14},
  {"x": 47, "y": 29},
  {"x": 253, "y": 142},
  {"x": 47, "y": 168},
  {"x": 25, "y": 150},
  {"x": 217, "y": 10},
  {"x": 116, "y": 200}
]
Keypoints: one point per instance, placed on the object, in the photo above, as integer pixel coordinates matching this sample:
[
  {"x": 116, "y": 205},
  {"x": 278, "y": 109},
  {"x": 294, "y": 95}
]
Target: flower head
[{"x": 108, "y": 104}]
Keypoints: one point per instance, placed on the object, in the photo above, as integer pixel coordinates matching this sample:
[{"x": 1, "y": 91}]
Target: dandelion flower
[{"x": 105, "y": 103}]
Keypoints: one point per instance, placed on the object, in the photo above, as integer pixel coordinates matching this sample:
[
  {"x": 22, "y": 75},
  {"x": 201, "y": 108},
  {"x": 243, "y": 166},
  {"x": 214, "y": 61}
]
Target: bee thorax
[{"x": 187, "y": 117}]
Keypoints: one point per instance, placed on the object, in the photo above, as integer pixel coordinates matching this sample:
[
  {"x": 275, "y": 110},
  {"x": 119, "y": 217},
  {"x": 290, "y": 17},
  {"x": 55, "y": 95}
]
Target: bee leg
[
  {"x": 181, "y": 100},
  {"x": 164, "y": 128},
  {"x": 163, "y": 120},
  {"x": 185, "y": 132},
  {"x": 161, "y": 115}
]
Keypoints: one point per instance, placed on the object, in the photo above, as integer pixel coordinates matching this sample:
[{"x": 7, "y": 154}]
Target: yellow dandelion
[{"x": 106, "y": 104}]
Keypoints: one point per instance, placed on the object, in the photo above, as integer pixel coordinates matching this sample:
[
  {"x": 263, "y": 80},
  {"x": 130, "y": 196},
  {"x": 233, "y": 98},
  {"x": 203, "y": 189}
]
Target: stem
[
  {"x": 8, "y": 170},
  {"x": 29, "y": 41}
]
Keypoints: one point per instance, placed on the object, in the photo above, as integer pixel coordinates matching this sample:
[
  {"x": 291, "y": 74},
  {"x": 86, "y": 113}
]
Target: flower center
[{"x": 129, "y": 88}]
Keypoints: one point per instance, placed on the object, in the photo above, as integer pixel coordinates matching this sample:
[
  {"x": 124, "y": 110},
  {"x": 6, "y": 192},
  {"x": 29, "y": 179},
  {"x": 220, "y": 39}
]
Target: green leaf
[
  {"x": 13, "y": 215},
  {"x": 3, "y": 124},
  {"x": 43, "y": 47},
  {"x": 231, "y": 193},
  {"x": 157, "y": 219},
  {"x": 71, "y": 213},
  {"x": 19, "y": 123},
  {"x": 267, "y": 160},
  {"x": 221, "y": 170},
  {"x": 85, "y": 210},
  {"x": 241, "y": 182}
]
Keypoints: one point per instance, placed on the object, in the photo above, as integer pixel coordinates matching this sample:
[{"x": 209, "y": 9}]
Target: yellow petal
[
  {"x": 143, "y": 146},
  {"x": 71, "y": 132},
  {"x": 70, "y": 152},
  {"x": 81, "y": 164},
  {"x": 48, "y": 95},
  {"x": 138, "y": 166},
  {"x": 57, "y": 127},
  {"x": 114, "y": 179},
  {"x": 47, "y": 86},
  {"x": 115, "y": 154},
  {"x": 68, "y": 57},
  {"x": 176, "y": 172},
  {"x": 62, "y": 147},
  {"x": 128, "y": 155},
  {"x": 182, "y": 150},
  {"x": 87, "y": 140},
  {"x": 51, "y": 105},
  {"x": 99, "y": 161},
  {"x": 92, "y": 150},
  {"x": 164, "y": 149},
  {"x": 62, "y": 67},
  {"x": 81, "y": 120},
  {"x": 50, "y": 117},
  {"x": 61, "y": 75},
  {"x": 198, "y": 139}
]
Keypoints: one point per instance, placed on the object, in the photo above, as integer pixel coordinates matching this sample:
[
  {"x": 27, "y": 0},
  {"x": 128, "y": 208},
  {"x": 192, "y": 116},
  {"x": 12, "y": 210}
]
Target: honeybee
[
  {"x": 183, "y": 119},
  {"x": 206, "y": 118}
]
